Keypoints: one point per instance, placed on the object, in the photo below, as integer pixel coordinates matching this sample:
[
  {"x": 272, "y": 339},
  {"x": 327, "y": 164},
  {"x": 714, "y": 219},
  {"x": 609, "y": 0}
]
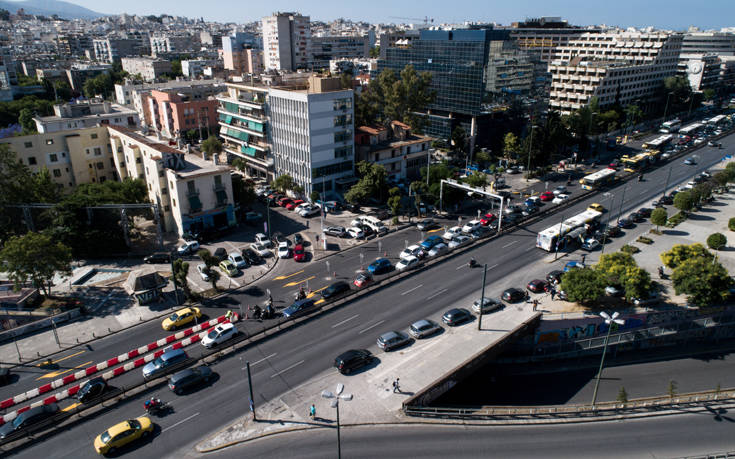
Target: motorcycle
[
  {"x": 472, "y": 263},
  {"x": 268, "y": 313},
  {"x": 640, "y": 178},
  {"x": 300, "y": 295},
  {"x": 257, "y": 313},
  {"x": 155, "y": 406}
]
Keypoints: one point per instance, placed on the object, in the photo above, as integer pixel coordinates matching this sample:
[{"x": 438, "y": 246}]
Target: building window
[
  {"x": 49, "y": 141},
  {"x": 94, "y": 136},
  {"x": 57, "y": 172},
  {"x": 53, "y": 157},
  {"x": 100, "y": 165},
  {"x": 28, "y": 144},
  {"x": 137, "y": 160},
  {"x": 97, "y": 151},
  {"x": 174, "y": 202},
  {"x": 32, "y": 160},
  {"x": 167, "y": 208}
]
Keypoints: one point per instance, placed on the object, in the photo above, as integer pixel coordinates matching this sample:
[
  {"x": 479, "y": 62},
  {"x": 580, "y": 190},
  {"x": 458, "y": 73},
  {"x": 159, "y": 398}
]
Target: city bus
[
  {"x": 598, "y": 179},
  {"x": 636, "y": 163},
  {"x": 690, "y": 130},
  {"x": 659, "y": 142},
  {"x": 716, "y": 120},
  {"x": 670, "y": 126},
  {"x": 557, "y": 234}
]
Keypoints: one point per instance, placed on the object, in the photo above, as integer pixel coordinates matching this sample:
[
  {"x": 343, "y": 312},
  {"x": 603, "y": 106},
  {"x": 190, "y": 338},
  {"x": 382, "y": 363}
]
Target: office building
[
  {"x": 111, "y": 50},
  {"x": 86, "y": 114},
  {"x": 286, "y": 41},
  {"x": 616, "y": 67},
  {"x": 324, "y": 49},
  {"x": 79, "y": 73},
  {"x": 509, "y": 70},
  {"x": 702, "y": 70},
  {"x": 719, "y": 43},
  {"x": 148, "y": 68},
  {"x": 396, "y": 148}
]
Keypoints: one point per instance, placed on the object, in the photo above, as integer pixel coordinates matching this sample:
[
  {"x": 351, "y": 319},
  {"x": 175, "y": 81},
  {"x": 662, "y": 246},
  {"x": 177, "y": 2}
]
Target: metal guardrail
[{"x": 560, "y": 412}]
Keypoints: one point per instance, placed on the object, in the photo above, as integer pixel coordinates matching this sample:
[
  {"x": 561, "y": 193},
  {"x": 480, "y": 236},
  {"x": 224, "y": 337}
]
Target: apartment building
[
  {"x": 400, "y": 151},
  {"x": 173, "y": 112},
  {"x": 167, "y": 44},
  {"x": 326, "y": 48},
  {"x": 719, "y": 43},
  {"x": 79, "y": 73},
  {"x": 111, "y": 50},
  {"x": 615, "y": 67},
  {"x": 192, "y": 194},
  {"x": 199, "y": 67},
  {"x": 240, "y": 53},
  {"x": 148, "y": 68},
  {"x": 543, "y": 36},
  {"x": 71, "y": 116},
  {"x": 72, "y": 157},
  {"x": 286, "y": 41}
]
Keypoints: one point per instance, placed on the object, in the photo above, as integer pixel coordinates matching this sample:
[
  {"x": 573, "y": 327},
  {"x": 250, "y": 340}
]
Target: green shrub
[
  {"x": 716, "y": 241},
  {"x": 629, "y": 249},
  {"x": 731, "y": 224},
  {"x": 676, "y": 219},
  {"x": 645, "y": 240}
]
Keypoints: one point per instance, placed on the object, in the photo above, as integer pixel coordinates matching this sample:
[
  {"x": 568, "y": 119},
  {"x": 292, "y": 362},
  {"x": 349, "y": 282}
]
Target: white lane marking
[
  {"x": 286, "y": 369},
  {"x": 261, "y": 360},
  {"x": 463, "y": 265},
  {"x": 344, "y": 321},
  {"x": 409, "y": 291},
  {"x": 370, "y": 327},
  {"x": 529, "y": 248},
  {"x": 509, "y": 244},
  {"x": 491, "y": 267},
  {"x": 437, "y": 293},
  {"x": 180, "y": 422}
]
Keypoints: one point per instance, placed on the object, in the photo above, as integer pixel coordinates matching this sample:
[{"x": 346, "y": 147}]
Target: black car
[
  {"x": 92, "y": 389},
  {"x": 220, "y": 253},
  {"x": 645, "y": 212},
  {"x": 612, "y": 231},
  {"x": 28, "y": 418},
  {"x": 298, "y": 239},
  {"x": 251, "y": 256},
  {"x": 456, "y": 316},
  {"x": 335, "y": 289},
  {"x": 669, "y": 199},
  {"x": 4, "y": 376},
  {"x": 625, "y": 223},
  {"x": 351, "y": 360},
  {"x": 513, "y": 295},
  {"x": 158, "y": 257},
  {"x": 554, "y": 276},
  {"x": 191, "y": 377},
  {"x": 636, "y": 217}
]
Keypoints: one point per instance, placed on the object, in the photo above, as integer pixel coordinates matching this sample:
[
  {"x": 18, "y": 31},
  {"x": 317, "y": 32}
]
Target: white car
[
  {"x": 219, "y": 334},
  {"x": 561, "y": 189},
  {"x": 560, "y": 198},
  {"x": 262, "y": 239},
  {"x": 439, "y": 249},
  {"x": 412, "y": 251},
  {"x": 309, "y": 211},
  {"x": 470, "y": 226},
  {"x": 188, "y": 247},
  {"x": 201, "y": 269},
  {"x": 407, "y": 263},
  {"x": 355, "y": 232},
  {"x": 284, "y": 251},
  {"x": 451, "y": 232},
  {"x": 238, "y": 260},
  {"x": 261, "y": 250},
  {"x": 459, "y": 241},
  {"x": 590, "y": 244},
  {"x": 357, "y": 222},
  {"x": 301, "y": 206}
]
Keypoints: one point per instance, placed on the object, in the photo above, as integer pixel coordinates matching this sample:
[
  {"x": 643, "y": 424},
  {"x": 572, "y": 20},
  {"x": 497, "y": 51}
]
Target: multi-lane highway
[{"x": 287, "y": 360}]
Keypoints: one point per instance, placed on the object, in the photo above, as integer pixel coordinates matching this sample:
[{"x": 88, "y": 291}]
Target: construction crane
[{"x": 426, "y": 19}]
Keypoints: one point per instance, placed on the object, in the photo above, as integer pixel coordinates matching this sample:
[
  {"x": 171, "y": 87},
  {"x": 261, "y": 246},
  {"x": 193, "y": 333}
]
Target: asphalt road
[{"x": 289, "y": 359}]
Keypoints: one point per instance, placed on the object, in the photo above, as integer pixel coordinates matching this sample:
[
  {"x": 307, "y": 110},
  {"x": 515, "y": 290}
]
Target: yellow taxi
[
  {"x": 597, "y": 207},
  {"x": 181, "y": 317},
  {"x": 122, "y": 433}
]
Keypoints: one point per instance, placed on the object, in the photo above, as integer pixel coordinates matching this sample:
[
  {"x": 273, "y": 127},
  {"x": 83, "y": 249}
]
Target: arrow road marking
[
  {"x": 291, "y": 284},
  {"x": 54, "y": 374},
  {"x": 286, "y": 277}
]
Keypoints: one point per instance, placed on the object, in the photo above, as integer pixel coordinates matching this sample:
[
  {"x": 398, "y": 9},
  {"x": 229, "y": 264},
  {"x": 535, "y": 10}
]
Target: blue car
[
  {"x": 573, "y": 264},
  {"x": 299, "y": 307},
  {"x": 380, "y": 266},
  {"x": 429, "y": 243}
]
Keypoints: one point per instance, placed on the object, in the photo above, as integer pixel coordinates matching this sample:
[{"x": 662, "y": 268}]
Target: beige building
[
  {"x": 72, "y": 157},
  {"x": 286, "y": 41},
  {"x": 80, "y": 115},
  {"x": 148, "y": 68},
  {"x": 401, "y": 152}
]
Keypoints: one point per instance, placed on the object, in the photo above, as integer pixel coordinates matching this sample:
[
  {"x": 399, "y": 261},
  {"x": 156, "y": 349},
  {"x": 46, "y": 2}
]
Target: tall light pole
[
  {"x": 530, "y": 143},
  {"x": 589, "y": 131},
  {"x": 609, "y": 321},
  {"x": 482, "y": 296},
  {"x": 607, "y": 225},
  {"x": 335, "y": 404},
  {"x": 622, "y": 200},
  {"x": 666, "y": 185},
  {"x": 666, "y": 110}
]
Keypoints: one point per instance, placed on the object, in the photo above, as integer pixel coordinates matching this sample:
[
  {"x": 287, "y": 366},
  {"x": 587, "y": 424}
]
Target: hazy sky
[{"x": 670, "y": 14}]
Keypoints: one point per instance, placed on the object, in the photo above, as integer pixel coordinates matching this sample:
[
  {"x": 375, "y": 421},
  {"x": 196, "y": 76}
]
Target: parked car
[
  {"x": 261, "y": 250},
  {"x": 459, "y": 241},
  {"x": 392, "y": 340},
  {"x": 163, "y": 362},
  {"x": 412, "y": 251},
  {"x": 488, "y": 305},
  {"x": 652, "y": 298},
  {"x": 426, "y": 224},
  {"x": 219, "y": 334},
  {"x": 480, "y": 232},
  {"x": 263, "y": 240},
  {"x": 188, "y": 247},
  {"x": 349, "y": 361},
  {"x": 560, "y": 198},
  {"x": 309, "y": 211},
  {"x": 252, "y": 256},
  {"x": 180, "y": 318},
  {"x": 380, "y": 266},
  {"x": 338, "y": 231},
  {"x": 513, "y": 295},
  {"x": 537, "y": 286},
  {"x": 590, "y": 244},
  {"x": 362, "y": 279},
  {"x": 355, "y": 233},
  {"x": 407, "y": 263},
  {"x": 423, "y": 328},
  {"x": 92, "y": 389},
  {"x": 451, "y": 233},
  {"x": 298, "y": 307},
  {"x": 561, "y": 189},
  {"x": 283, "y": 202},
  {"x": 456, "y": 316},
  {"x": 284, "y": 251},
  {"x": 471, "y": 226},
  {"x": 613, "y": 290},
  {"x": 546, "y": 196},
  {"x": 625, "y": 223},
  {"x": 158, "y": 257},
  {"x": 335, "y": 289},
  {"x": 229, "y": 268},
  {"x": 294, "y": 204},
  {"x": 238, "y": 260},
  {"x": 122, "y": 434},
  {"x": 487, "y": 219},
  {"x": 202, "y": 270},
  {"x": 573, "y": 265},
  {"x": 645, "y": 212},
  {"x": 430, "y": 242},
  {"x": 437, "y": 250},
  {"x": 554, "y": 276},
  {"x": 253, "y": 217}
]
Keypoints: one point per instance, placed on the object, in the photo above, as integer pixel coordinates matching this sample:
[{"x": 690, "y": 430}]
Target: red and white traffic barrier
[{"x": 191, "y": 335}]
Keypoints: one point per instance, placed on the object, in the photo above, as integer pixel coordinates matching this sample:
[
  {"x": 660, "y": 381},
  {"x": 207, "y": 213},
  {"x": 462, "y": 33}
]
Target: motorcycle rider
[
  {"x": 257, "y": 312},
  {"x": 473, "y": 262}
]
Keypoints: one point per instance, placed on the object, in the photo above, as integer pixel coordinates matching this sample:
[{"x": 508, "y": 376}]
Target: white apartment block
[
  {"x": 614, "y": 66},
  {"x": 149, "y": 69},
  {"x": 286, "y": 41},
  {"x": 86, "y": 114},
  {"x": 720, "y": 43}
]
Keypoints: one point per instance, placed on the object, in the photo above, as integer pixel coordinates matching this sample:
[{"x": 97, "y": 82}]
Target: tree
[
  {"x": 394, "y": 201},
  {"x": 477, "y": 180},
  {"x": 25, "y": 118},
  {"x": 239, "y": 164},
  {"x": 181, "y": 273},
  {"x": 612, "y": 267},
  {"x": 176, "y": 68},
  {"x": 243, "y": 192},
  {"x": 283, "y": 183},
  {"x": 636, "y": 282},
  {"x": 375, "y": 52},
  {"x": 298, "y": 189},
  {"x": 511, "y": 149},
  {"x": 582, "y": 285},
  {"x": 721, "y": 178},
  {"x": 659, "y": 217},
  {"x": 684, "y": 201},
  {"x": 346, "y": 79},
  {"x": 459, "y": 138},
  {"x": 210, "y": 261},
  {"x": 212, "y": 146},
  {"x": 702, "y": 192},
  {"x": 704, "y": 282},
  {"x": 371, "y": 183},
  {"x": 314, "y": 196},
  {"x": 35, "y": 257},
  {"x": 681, "y": 252},
  {"x": 483, "y": 158},
  {"x": 708, "y": 94},
  {"x": 633, "y": 115},
  {"x": 716, "y": 241}
]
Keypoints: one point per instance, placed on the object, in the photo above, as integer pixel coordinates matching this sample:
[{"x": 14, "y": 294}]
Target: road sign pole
[
  {"x": 250, "y": 387},
  {"x": 482, "y": 295}
]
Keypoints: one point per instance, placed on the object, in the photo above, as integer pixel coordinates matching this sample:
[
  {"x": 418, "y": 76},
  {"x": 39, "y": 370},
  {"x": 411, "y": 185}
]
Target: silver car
[
  {"x": 423, "y": 328},
  {"x": 391, "y": 340},
  {"x": 439, "y": 249},
  {"x": 488, "y": 305}
]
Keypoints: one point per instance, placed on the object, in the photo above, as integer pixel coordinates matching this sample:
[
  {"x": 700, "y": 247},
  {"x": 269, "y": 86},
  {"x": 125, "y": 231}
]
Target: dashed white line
[
  {"x": 409, "y": 291},
  {"x": 261, "y": 360},
  {"x": 180, "y": 422},
  {"x": 344, "y": 321},
  {"x": 437, "y": 293},
  {"x": 529, "y": 248},
  {"x": 370, "y": 327},
  {"x": 286, "y": 369},
  {"x": 509, "y": 244}
]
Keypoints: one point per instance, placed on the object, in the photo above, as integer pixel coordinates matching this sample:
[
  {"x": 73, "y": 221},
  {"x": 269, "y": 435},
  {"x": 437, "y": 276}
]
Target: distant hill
[{"x": 64, "y": 10}]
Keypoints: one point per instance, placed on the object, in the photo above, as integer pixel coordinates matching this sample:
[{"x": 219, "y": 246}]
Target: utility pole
[
  {"x": 558, "y": 239},
  {"x": 530, "y": 144},
  {"x": 666, "y": 185},
  {"x": 482, "y": 296},
  {"x": 622, "y": 200}
]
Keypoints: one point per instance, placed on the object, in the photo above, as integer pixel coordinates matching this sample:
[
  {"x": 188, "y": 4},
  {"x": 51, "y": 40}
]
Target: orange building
[{"x": 173, "y": 112}]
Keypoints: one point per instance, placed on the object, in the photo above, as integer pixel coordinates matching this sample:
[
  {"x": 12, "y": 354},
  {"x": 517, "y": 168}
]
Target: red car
[
  {"x": 299, "y": 254},
  {"x": 487, "y": 219},
  {"x": 537, "y": 286},
  {"x": 292, "y": 205},
  {"x": 547, "y": 196},
  {"x": 283, "y": 202},
  {"x": 362, "y": 279}
]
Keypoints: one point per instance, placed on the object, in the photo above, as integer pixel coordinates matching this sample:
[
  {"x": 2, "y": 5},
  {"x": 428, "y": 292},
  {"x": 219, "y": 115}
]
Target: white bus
[
  {"x": 670, "y": 126},
  {"x": 690, "y": 130},
  {"x": 659, "y": 142},
  {"x": 598, "y": 179},
  {"x": 714, "y": 121},
  {"x": 548, "y": 238}
]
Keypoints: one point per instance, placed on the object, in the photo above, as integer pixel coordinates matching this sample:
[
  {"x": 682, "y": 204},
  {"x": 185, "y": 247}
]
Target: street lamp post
[
  {"x": 589, "y": 131},
  {"x": 482, "y": 296},
  {"x": 666, "y": 110},
  {"x": 335, "y": 404},
  {"x": 609, "y": 320},
  {"x": 622, "y": 200},
  {"x": 530, "y": 143},
  {"x": 607, "y": 224}
]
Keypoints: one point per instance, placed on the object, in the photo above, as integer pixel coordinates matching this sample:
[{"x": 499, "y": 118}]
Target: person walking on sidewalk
[
  {"x": 312, "y": 411},
  {"x": 396, "y": 386},
  {"x": 535, "y": 304}
]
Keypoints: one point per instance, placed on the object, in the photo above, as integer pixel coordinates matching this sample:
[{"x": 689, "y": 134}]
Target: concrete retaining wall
[{"x": 9, "y": 335}]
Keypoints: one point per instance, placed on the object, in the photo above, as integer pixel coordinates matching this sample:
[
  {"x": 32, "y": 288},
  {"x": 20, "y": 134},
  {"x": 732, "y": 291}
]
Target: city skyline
[{"x": 671, "y": 14}]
